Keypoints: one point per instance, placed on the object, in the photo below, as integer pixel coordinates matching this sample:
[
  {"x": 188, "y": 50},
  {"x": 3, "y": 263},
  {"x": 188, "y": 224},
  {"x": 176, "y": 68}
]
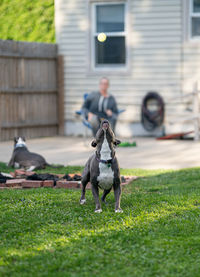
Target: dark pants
[{"x": 95, "y": 123}]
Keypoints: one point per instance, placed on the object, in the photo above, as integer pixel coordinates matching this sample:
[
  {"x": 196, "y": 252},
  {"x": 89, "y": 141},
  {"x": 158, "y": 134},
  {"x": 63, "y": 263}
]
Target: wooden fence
[{"x": 31, "y": 90}]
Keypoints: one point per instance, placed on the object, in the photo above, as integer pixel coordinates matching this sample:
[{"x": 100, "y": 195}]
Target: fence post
[
  {"x": 196, "y": 111},
  {"x": 61, "y": 97}
]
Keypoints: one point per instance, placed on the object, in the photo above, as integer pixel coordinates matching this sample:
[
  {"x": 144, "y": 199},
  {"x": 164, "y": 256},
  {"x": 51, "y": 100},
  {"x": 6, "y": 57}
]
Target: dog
[
  {"x": 102, "y": 168},
  {"x": 22, "y": 158}
]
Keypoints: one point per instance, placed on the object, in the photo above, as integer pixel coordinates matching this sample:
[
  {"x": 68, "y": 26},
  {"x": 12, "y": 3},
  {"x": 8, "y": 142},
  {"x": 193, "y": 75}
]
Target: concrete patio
[{"x": 149, "y": 153}]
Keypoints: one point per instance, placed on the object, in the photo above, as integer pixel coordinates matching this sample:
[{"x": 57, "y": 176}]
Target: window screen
[
  {"x": 196, "y": 6},
  {"x": 195, "y": 18},
  {"x": 110, "y": 20}
]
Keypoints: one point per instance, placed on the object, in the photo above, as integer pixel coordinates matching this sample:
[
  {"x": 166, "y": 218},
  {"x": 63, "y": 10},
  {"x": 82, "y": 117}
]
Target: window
[
  {"x": 109, "y": 35},
  {"x": 195, "y": 19}
]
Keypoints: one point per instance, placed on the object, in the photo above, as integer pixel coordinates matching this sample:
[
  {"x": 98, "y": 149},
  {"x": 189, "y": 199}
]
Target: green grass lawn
[{"x": 45, "y": 232}]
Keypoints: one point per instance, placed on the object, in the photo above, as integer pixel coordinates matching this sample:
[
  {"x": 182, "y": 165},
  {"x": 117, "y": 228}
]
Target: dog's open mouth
[{"x": 105, "y": 125}]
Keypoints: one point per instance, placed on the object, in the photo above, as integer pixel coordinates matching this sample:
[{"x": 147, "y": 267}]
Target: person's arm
[
  {"x": 115, "y": 108},
  {"x": 113, "y": 111},
  {"x": 87, "y": 103}
]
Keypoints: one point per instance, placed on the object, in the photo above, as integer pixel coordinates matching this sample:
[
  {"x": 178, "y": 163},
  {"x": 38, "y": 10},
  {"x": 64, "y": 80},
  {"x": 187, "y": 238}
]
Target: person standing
[{"x": 100, "y": 105}]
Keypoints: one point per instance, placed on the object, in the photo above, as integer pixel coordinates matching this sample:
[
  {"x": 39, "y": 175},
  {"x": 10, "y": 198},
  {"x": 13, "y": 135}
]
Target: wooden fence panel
[{"x": 29, "y": 102}]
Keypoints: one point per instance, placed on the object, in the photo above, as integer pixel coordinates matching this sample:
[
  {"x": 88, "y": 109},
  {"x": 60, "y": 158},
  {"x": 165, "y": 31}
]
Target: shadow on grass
[
  {"x": 146, "y": 246},
  {"x": 180, "y": 181}
]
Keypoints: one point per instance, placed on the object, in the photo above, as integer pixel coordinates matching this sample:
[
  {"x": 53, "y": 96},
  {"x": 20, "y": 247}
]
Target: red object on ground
[
  {"x": 129, "y": 179},
  {"x": 48, "y": 183},
  {"x": 14, "y": 182},
  {"x": 13, "y": 174},
  {"x": 17, "y": 187},
  {"x": 32, "y": 184},
  {"x": 67, "y": 184},
  {"x": 21, "y": 172},
  {"x": 71, "y": 175},
  {"x": 23, "y": 183},
  {"x": 2, "y": 185},
  {"x": 175, "y": 136}
]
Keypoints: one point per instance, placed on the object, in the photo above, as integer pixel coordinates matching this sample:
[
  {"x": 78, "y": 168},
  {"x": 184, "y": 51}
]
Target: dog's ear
[
  {"x": 94, "y": 143},
  {"x": 23, "y": 138},
  {"x": 15, "y": 139},
  {"x": 117, "y": 142}
]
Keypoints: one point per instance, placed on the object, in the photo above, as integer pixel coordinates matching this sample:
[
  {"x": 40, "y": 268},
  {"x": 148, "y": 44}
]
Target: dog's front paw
[
  {"x": 98, "y": 211},
  {"x": 119, "y": 210},
  {"x": 82, "y": 201}
]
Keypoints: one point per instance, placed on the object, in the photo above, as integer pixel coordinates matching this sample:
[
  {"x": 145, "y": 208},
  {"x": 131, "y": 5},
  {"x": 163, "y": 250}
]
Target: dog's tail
[{"x": 54, "y": 165}]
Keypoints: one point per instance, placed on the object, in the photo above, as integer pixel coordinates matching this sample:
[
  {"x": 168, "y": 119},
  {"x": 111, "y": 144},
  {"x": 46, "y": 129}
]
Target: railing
[{"x": 195, "y": 113}]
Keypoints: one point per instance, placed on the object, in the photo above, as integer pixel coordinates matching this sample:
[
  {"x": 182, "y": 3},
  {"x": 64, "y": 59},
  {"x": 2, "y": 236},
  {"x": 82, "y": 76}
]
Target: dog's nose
[{"x": 105, "y": 125}]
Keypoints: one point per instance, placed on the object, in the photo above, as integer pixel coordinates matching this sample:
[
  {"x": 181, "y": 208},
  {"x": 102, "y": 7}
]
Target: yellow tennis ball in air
[{"x": 102, "y": 37}]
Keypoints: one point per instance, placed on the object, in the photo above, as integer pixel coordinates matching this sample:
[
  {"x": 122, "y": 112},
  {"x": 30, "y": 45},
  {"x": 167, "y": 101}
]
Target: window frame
[
  {"x": 94, "y": 33},
  {"x": 192, "y": 15}
]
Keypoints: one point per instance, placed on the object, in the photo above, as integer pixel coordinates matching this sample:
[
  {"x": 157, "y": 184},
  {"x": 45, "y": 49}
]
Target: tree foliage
[{"x": 27, "y": 20}]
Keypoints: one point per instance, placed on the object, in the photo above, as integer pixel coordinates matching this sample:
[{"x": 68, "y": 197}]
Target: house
[{"x": 140, "y": 45}]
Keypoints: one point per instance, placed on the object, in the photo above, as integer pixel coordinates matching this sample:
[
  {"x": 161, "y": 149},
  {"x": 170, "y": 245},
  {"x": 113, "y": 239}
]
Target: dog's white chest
[
  {"x": 106, "y": 173},
  {"x": 105, "y": 177}
]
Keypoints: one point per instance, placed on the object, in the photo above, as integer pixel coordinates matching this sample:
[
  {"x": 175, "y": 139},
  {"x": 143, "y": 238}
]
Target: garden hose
[{"x": 152, "y": 119}]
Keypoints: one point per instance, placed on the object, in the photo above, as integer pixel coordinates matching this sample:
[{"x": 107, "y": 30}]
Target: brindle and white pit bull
[{"x": 102, "y": 168}]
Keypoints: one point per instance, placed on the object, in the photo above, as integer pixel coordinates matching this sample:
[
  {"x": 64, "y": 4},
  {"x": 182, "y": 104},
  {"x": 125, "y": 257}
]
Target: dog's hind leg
[
  {"x": 31, "y": 168},
  {"x": 11, "y": 162},
  {"x": 84, "y": 184},
  {"x": 84, "y": 181},
  {"x": 105, "y": 192}
]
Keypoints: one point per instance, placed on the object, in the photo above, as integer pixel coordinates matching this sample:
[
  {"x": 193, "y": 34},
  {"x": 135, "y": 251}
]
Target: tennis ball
[{"x": 101, "y": 37}]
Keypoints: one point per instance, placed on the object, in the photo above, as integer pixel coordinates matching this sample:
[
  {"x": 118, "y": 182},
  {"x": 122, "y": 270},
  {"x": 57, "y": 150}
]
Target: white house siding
[
  {"x": 156, "y": 54},
  {"x": 191, "y": 65}
]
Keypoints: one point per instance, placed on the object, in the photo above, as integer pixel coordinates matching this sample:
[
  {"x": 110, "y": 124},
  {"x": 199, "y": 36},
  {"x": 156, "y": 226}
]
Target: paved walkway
[{"x": 149, "y": 153}]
